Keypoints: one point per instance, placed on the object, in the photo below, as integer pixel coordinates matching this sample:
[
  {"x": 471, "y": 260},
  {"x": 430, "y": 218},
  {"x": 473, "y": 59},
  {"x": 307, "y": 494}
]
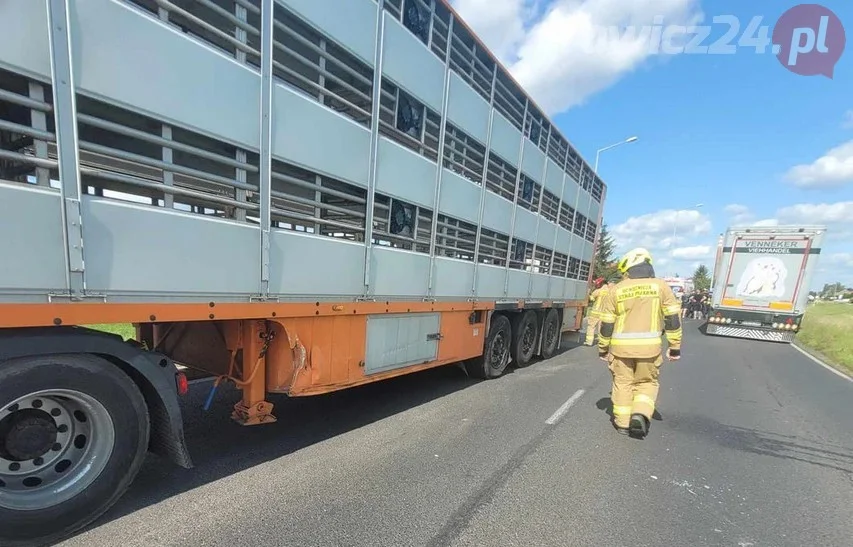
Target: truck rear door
[{"x": 766, "y": 271}]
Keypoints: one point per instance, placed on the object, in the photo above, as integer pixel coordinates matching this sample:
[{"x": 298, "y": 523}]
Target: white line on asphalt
[
  {"x": 563, "y": 409},
  {"x": 201, "y": 380},
  {"x": 821, "y": 363}
]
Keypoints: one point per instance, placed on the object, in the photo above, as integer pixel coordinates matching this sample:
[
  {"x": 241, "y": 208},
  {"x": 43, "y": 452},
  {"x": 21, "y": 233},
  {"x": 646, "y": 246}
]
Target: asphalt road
[{"x": 754, "y": 447}]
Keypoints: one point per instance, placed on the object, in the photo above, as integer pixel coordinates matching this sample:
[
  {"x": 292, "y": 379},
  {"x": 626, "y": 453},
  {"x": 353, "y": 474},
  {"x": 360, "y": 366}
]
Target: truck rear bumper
[{"x": 753, "y": 333}]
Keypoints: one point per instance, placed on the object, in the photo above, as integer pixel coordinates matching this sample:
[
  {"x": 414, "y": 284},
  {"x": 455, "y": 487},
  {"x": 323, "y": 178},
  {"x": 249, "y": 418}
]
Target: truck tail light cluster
[
  {"x": 788, "y": 324},
  {"x": 718, "y": 319}
]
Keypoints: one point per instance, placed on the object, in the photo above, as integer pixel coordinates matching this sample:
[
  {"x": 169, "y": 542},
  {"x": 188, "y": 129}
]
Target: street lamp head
[{"x": 631, "y": 139}]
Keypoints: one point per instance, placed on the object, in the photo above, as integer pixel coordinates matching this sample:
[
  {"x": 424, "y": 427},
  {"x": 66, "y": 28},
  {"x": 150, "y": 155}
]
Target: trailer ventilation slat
[
  {"x": 455, "y": 238},
  {"x": 407, "y": 121},
  {"x": 574, "y": 268},
  {"x": 494, "y": 247},
  {"x": 401, "y": 225},
  {"x": 308, "y": 60},
  {"x": 463, "y": 154},
  {"x": 561, "y": 264},
  {"x": 308, "y": 202},
  {"x": 521, "y": 255},
  {"x": 541, "y": 262},
  {"x": 230, "y": 26}
]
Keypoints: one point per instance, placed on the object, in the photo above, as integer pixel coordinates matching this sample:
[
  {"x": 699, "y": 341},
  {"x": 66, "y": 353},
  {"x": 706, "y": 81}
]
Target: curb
[{"x": 817, "y": 358}]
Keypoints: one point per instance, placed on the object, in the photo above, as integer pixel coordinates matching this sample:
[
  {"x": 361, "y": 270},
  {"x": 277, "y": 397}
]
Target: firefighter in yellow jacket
[
  {"x": 596, "y": 297},
  {"x": 633, "y": 315}
]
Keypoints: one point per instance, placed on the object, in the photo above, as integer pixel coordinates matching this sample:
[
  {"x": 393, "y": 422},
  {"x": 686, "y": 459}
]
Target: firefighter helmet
[{"x": 633, "y": 258}]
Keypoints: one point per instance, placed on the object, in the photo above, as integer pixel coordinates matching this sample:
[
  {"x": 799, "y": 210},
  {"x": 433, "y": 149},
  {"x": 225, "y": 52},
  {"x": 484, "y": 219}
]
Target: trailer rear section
[
  {"x": 762, "y": 277},
  {"x": 294, "y": 196}
]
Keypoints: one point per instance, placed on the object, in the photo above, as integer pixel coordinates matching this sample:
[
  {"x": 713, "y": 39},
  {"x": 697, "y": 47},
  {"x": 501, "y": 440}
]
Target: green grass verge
[
  {"x": 125, "y": 330},
  {"x": 828, "y": 329}
]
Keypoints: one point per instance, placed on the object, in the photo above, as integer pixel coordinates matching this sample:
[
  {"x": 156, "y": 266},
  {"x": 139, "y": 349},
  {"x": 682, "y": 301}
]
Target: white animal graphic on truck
[{"x": 763, "y": 278}]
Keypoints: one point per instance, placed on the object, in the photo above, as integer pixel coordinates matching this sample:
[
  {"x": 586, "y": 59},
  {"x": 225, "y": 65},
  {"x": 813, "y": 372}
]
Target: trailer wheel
[
  {"x": 493, "y": 362},
  {"x": 550, "y": 333},
  {"x": 525, "y": 334},
  {"x": 73, "y": 434}
]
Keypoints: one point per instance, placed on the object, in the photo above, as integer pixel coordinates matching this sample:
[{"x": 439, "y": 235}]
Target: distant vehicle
[
  {"x": 759, "y": 281},
  {"x": 679, "y": 285}
]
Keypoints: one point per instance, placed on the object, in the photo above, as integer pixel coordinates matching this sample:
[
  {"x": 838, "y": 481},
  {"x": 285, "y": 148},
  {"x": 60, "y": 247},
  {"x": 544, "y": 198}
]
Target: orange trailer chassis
[{"x": 296, "y": 349}]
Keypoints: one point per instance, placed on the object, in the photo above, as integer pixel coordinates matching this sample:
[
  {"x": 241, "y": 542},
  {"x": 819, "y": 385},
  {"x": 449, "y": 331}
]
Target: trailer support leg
[{"x": 254, "y": 409}]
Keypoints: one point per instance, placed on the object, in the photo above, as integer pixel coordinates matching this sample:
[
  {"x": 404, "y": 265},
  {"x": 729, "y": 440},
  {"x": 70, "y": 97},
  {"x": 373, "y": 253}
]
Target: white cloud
[
  {"x": 766, "y": 222},
  {"x": 738, "y": 214},
  {"x": 655, "y": 230},
  {"x": 500, "y": 24},
  {"x": 572, "y": 49},
  {"x": 695, "y": 252},
  {"x": 839, "y": 213},
  {"x": 832, "y": 170}
]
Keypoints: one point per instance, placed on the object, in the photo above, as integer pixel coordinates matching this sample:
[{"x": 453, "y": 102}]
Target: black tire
[
  {"x": 551, "y": 334},
  {"x": 122, "y": 406},
  {"x": 525, "y": 337},
  {"x": 494, "y": 360}
]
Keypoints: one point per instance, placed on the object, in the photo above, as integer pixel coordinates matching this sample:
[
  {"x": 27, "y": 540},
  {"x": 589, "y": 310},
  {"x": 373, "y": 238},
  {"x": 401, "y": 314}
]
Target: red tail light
[{"x": 182, "y": 383}]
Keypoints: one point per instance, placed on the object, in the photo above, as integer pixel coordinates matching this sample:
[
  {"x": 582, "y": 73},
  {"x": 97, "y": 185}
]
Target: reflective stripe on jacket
[
  {"x": 639, "y": 311},
  {"x": 598, "y": 296}
]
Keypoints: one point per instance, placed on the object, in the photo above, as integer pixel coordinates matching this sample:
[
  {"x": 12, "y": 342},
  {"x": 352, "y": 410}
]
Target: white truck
[{"x": 761, "y": 280}]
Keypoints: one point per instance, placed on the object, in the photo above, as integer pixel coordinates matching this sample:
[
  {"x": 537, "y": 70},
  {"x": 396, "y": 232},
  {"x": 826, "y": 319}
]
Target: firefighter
[
  {"x": 633, "y": 315},
  {"x": 595, "y": 299}
]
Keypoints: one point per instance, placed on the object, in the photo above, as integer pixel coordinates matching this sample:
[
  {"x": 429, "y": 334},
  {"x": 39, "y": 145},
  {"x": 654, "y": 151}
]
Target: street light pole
[{"x": 600, "y": 150}]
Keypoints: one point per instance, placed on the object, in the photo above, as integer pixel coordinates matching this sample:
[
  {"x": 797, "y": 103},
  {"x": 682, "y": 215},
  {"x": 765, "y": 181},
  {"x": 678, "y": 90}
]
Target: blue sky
[{"x": 721, "y": 130}]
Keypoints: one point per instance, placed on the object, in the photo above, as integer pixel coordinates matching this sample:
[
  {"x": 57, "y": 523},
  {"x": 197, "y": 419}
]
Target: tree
[
  {"x": 831, "y": 290},
  {"x": 701, "y": 279},
  {"x": 605, "y": 263}
]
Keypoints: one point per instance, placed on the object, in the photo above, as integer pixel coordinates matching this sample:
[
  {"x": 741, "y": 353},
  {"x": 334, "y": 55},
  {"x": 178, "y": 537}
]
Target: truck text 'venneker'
[{"x": 761, "y": 276}]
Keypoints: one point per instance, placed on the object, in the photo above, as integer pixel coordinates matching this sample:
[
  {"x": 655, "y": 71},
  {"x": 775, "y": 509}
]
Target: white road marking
[
  {"x": 821, "y": 363},
  {"x": 202, "y": 380},
  {"x": 564, "y": 408}
]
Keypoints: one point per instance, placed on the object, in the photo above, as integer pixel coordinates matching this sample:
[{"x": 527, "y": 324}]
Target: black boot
[{"x": 639, "y": 426}]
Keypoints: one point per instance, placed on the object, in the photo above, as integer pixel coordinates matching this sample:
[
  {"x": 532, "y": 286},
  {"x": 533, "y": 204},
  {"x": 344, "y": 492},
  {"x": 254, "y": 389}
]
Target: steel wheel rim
[
  {"x": 550, "y": 333},
  {"x": 528, "y": 338},
  {"x": 497, "y": 351},
  {"x": 80, "y": 445}
]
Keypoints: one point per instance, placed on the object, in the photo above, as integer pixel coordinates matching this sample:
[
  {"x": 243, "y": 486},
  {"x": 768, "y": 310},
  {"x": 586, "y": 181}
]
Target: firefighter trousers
[
  {"x": 592, "y": 323},
  {"x": 635, "y": 387}
]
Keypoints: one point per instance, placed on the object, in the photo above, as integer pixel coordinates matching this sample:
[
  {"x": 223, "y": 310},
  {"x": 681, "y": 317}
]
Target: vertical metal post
[
  {"x": 376, "y": 97},
  {"x": 240, "y": 33},
  {"x": 432, "y": 24},
  {"x": 439, "y": 172},
  {"x": 240, "y": 175},
  {"x": 515, "y": 197},
  {"x": 533, "y": 265},
  {"x": 38, "y": 120},
  {"x": 557, "y": 234},
  {"x": 572, "y": 235},
  {"x": 485, "y": 176},
  {"x": 265, "y": 168},
  {"x": 65, "y": 113},
  {"x": 168, "y": 176}
]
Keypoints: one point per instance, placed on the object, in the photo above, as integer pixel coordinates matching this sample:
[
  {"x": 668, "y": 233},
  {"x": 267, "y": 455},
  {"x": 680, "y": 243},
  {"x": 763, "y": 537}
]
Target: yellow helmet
[{"x": 633, "y": 258}]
